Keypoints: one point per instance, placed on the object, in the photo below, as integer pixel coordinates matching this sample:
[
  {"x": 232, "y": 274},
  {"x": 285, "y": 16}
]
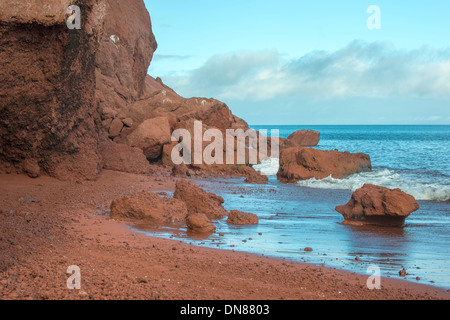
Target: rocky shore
[
  {"x": 49, "y": 225},
  {"x": 86, "y": 146}
]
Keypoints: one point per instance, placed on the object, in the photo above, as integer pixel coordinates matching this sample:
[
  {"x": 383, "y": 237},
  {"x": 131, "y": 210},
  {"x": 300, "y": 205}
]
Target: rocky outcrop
[
  {"x": 54, "y": 79},
  {"x": 299, "y": 163},
  {"x": 242, "y": 218},
  {"x": 150, "y": 208},
  {"x": 373, "y": 204},
  {"x": 61, "y": 88},
  {"x": 126, "y": 47},
  {"x": 199, "y": 201},
  {"x": 305, "y": 138},
  {"x": 237, "y": 167}
]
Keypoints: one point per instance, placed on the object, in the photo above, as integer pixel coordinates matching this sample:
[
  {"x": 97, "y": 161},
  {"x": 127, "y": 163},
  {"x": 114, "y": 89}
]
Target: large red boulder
[
  {"x": 305, "y": 138},
  {"x": 299, "y": 163},
  {"x": 242, "y": 218},
  {"x": 120, "y": 157},
  {"x": 373, "y": 204},
  {"x": 199, "y": 223},
  {"x": 150, "y": 208},
  {"x": 199, "y": 201},
  {"x": 126, "y": 47},
  {"x": 150, "y": 136}
]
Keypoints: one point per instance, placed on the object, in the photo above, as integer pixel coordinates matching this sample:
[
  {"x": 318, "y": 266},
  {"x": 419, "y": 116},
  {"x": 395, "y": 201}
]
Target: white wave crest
[
  {"x": 386, "y": 178},
  {"x": 421, "y": 190},
  {"x": 268, "y": 167}
]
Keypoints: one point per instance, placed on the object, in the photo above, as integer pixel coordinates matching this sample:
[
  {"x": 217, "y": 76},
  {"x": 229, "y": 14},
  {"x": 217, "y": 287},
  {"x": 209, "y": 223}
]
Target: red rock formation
[
  {"x": 151, "y": 135},
  {"x": 199, "y": 201},
  {"x": 235, "y": 168},
  {"x": 62, "y": 87},
  {"x": 305, "y": 138},
  {"x": 47, "y": 93},
  {"x": 300, "y": 163},
  {"x": 199, "y": 223},
  {"x": 150, "y": 208},
  {"x": 126, "y": 47},
  {"x": 120, "y": 157},
  {"x": 373, "y": 204},
  {"x": 48, "y": 96},
  {"x": 257, "y": 178},
  {"x": 242, "y": 218}
]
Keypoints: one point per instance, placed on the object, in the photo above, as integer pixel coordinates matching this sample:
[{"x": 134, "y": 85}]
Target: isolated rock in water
[
  {"x": 120, "y": 157},
  {"x": 257, "y": 178},
  {"x": 301, "y": 163},
  {"x": 151, "y": 135},
  {"x": 242, "y": 218},
  {"x": 305, "y": 138},
  {"x": 150, "y": 208},
  {"x": 373, "y": 204},
  {"x": 199, "y": 223},
  {"x": 199, "y": 201}
]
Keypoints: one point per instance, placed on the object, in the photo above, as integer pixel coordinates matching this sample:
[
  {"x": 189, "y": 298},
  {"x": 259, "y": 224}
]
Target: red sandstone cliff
[{"x": 64, "y": 92}]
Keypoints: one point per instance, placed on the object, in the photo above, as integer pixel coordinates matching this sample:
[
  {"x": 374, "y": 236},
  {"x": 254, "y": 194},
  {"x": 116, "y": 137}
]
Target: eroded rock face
[
  {"x": 47, "y": 93},
  {"x": 373, "y": 204},
  {"x": 305, "y": 138},
  {"x": 298, "y": 163},
  {"x": 54, "y": 79},
  {"x": 126, "y": 47},
  {"x": 199, "y": 201},
  {"x": 150, "y": 208}
]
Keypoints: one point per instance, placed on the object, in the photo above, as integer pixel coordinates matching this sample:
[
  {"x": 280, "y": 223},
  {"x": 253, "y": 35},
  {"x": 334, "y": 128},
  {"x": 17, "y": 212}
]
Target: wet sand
[{"x": 49, "y": 225}]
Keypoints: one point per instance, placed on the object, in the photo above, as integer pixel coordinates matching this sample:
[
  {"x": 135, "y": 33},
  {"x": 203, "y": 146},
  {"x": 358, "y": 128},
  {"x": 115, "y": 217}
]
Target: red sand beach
[{"x": 50, "y": 225}]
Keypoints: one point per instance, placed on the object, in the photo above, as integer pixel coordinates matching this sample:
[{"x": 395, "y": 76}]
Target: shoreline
[
  {"x": 51, "y": 225},
  {"x": 277, "y": 234}
]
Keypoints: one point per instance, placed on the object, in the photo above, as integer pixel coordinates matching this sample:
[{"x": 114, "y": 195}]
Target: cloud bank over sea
[{"x": 360, "y": 69}]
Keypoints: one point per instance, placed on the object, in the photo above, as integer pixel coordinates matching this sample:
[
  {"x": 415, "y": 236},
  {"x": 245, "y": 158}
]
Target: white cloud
[{"x": 358, "y": 70}]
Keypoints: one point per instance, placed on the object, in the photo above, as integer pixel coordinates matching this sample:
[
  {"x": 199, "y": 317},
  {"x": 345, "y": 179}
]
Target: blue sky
[{"x": 308, "y": 62}]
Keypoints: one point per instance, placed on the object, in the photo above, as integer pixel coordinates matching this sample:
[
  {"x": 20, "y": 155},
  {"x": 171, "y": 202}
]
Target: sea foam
[
  {"x": 411, "y": 184},
  {"x": 386, "y": 178}
]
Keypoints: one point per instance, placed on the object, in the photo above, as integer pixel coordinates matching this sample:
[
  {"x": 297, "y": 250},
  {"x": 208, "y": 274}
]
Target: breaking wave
[
  {"x": 269, "y": 166},
  {"x": 421, "y": 188}
]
